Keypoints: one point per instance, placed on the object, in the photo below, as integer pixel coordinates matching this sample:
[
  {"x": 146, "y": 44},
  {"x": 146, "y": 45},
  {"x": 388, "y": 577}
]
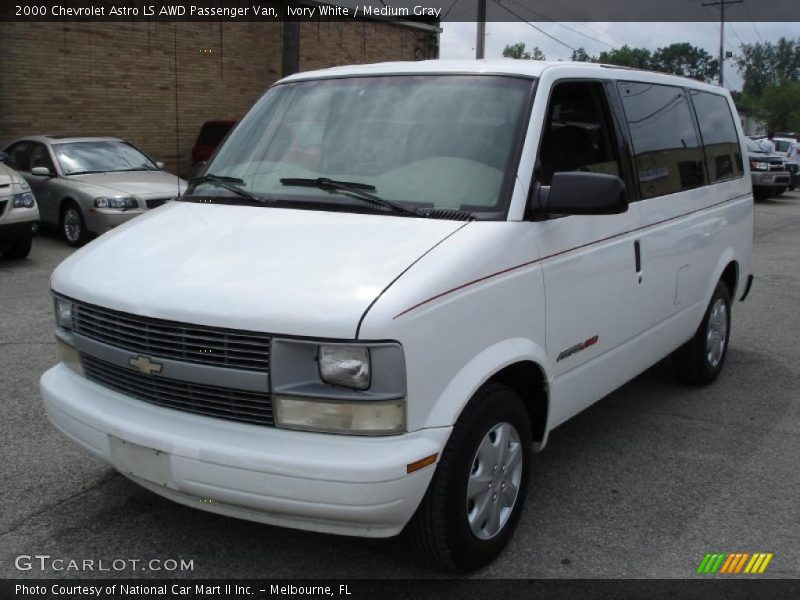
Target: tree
[
  {"x": 518, "y": 51},
  {"x": 685, "y": 60},
  {"x": 637, "y": 58},
  {"x": 779, "y": 106},
  {"x": 582, "y": 56},
  {"x": 765, "y": 63}
]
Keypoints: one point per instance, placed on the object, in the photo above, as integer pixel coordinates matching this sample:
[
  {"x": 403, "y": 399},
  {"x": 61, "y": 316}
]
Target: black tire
[
  {"x": 440, "y": 531},
  {"x": 695, "y": 363},
  {"x": 73, "y": 227},
  {"x": 779, "y": 191},
  {"x": 760, "y": 194},
  {"x": 19, "y": 249}
]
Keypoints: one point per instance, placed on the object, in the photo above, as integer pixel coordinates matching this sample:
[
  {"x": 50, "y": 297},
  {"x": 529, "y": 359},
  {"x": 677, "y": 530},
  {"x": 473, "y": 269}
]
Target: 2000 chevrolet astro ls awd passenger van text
[{"x": 393, "y": 281}]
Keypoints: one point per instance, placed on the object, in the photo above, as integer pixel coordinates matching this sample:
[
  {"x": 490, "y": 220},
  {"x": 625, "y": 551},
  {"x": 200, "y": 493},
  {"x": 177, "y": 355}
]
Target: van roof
[{"x": 505, "y": 66}]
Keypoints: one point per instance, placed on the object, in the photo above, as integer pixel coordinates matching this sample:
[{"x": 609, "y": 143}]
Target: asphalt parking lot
[{"x": 642, "y": 484}]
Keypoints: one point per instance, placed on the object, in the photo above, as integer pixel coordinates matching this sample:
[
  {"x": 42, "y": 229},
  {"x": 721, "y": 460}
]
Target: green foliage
[
  {"x": 765, "y": 63},
  {"x": 582, "y": 56},
  {"x": 636, "y": 58},
  {"x": 518, "y": 51},
  {"x": 685, "y": 60},
  {"x": 779, "y": 106}
]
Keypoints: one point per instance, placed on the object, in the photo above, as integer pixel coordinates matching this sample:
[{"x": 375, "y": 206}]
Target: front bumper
[
  {"x": 775, "y": 179},
  {"x": 102, "y": 220},
  {"x": 318, "y": 482},
  {"x": 14, "y": 232}
]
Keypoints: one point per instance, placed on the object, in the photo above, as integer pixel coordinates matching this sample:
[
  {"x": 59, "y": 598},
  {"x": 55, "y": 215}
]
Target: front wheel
[
  {"x": 73, "y": 227},
  {"x": 474, "y": 502},
  {"x": 699, "y": 361}
]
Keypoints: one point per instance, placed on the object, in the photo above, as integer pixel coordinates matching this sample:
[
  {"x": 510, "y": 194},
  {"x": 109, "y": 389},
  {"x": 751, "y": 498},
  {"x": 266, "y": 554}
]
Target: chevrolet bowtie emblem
[{"x": 145, "y": 366}]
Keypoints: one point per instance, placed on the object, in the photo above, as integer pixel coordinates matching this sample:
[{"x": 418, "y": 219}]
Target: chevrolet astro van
[{"x": 393, "y": 281}]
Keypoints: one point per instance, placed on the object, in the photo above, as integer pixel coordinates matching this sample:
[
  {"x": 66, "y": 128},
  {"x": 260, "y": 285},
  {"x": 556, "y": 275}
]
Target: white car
[
  {"x": 19, "y": 214},
  {"x": 394, "y": 281}
]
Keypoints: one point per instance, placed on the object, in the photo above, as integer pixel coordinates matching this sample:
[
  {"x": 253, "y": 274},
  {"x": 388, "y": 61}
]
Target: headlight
[
  {"x": 759, "y": 166},
  {"x": 366, "y": 417},
  {"x": 122, "y": 203},
  {"x": 24, "y": 200},
  {"x": 348, "y": 366},
  {"x": 63, "y": 313}
]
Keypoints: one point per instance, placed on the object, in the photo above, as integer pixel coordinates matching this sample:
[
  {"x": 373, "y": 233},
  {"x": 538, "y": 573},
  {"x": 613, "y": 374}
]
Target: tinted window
[
  {"x": 577, "y": 136},
  {"x": 19, "y": 156},
  {"x": 40, "y": 157},
  {"x": 213, "y": 132},
  {"x": 668, "y": 154},
  {"x": 718, "y": 130}
]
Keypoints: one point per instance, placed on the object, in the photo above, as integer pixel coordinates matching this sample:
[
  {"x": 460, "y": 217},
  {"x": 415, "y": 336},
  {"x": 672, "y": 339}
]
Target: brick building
[{"x": 155, "y": 83}]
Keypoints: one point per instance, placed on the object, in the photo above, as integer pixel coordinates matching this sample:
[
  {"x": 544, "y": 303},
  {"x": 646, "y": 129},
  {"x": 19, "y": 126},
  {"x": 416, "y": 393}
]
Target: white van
[{"x": 394, "y": 281}]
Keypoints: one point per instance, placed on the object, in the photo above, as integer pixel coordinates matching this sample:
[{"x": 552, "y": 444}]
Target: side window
[
  {"x": 669, "y": 158},
  {"x": 40, "y": 157},
  {"x": 577, "y": 135},
  {"x": 717, "y": 128},
  {"x": 19, "y": 156}
]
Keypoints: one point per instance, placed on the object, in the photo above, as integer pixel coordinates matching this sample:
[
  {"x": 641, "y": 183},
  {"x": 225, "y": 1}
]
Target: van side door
[
  {"x": 683, "y": 185},
  {"x": 589, "y": 262}
]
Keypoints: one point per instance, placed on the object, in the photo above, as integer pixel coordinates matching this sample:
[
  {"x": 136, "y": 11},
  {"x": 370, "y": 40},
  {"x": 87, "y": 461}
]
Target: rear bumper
[{"x": 319, "y": 482}]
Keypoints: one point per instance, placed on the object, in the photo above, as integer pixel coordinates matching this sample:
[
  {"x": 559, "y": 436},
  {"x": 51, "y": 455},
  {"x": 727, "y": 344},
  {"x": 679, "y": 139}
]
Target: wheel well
[
  {"x": 730, "y": 277},
  {"x": 63, "y": 205},
  {"x": 528, "y": 380}
]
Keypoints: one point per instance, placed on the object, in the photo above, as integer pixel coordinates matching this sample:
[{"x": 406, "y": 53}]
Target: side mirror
[
  {"x": 581, "y": 193},
  {"x": 41, "y": 172},
  {"x": 197, "y": 169},
  {"x": 3, "y": 157},
  {"x": 160, "y": 165}
]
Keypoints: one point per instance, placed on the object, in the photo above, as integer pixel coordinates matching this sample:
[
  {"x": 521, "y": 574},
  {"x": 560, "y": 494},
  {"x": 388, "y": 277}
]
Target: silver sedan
[{"x": 86, "y": 186}]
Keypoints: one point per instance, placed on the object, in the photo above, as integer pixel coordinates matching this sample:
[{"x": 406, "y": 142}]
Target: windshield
[
  {"x": 100, "y": 157},
  {"x": 440, "y": 141},
  {"x": 782, "y": 145}
]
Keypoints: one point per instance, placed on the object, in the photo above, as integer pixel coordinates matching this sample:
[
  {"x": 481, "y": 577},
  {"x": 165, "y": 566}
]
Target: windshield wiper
[
  {"x": 360, "y": 190},
  {"x": 227, "y": 183}
]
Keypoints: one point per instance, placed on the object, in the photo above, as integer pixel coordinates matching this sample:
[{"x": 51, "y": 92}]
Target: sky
[{"x": 458, "y": 39}]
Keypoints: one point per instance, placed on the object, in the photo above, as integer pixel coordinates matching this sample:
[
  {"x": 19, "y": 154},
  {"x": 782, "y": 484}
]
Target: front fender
[{"x": 478, "y": 371}]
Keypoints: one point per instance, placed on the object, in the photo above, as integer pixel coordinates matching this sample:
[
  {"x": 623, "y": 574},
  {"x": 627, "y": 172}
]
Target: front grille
[
  {"x": 224, "y": 403},
  {"x": 776, "y": 167},
  {"x": 156, "y": 202},
  {"x": 229, "y": 348}
]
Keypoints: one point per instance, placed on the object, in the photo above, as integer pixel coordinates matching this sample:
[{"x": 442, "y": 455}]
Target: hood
[
  {"x": 134, "y": 183},
  {"x": 9, "y": 177},
  {"x": 282, "y": 271}
]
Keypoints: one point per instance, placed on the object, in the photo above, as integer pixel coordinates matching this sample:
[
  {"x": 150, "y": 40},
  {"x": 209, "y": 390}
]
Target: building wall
[{"x": 120, "y": 79}]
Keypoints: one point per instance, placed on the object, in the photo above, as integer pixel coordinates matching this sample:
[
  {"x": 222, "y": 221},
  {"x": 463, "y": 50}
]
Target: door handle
[{"x": 637, "y": 252}]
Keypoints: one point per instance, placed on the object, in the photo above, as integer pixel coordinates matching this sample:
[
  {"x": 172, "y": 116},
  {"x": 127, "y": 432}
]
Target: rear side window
[
  {"x": 717, "y": 128},
  {"x": 669, "y": 158},
  {"x": 19, "y": 156}
]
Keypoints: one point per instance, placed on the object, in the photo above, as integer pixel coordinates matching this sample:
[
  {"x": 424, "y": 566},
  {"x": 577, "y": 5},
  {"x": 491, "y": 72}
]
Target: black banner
[
  {"x": 444, "y": 589},
  {"x": 430, "y": 11}
]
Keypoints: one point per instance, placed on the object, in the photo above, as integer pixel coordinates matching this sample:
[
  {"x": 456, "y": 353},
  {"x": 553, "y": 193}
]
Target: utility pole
[
  {"x": 480, "y": 43},
  {"x": 722, "y": 4}
]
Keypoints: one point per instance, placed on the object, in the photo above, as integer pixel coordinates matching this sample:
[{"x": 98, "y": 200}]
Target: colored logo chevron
[{"x": 735, "y": 563}]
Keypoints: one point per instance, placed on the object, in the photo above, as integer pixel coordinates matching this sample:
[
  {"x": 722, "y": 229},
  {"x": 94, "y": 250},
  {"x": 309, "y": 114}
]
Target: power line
[
  {"x": 562, "y": 25},
  {"x": 722, "y": 4},
  {"x": 574, "y": 16},
  {"x": 752, "y": 22},
  {"x": 529, "y": 24}
]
